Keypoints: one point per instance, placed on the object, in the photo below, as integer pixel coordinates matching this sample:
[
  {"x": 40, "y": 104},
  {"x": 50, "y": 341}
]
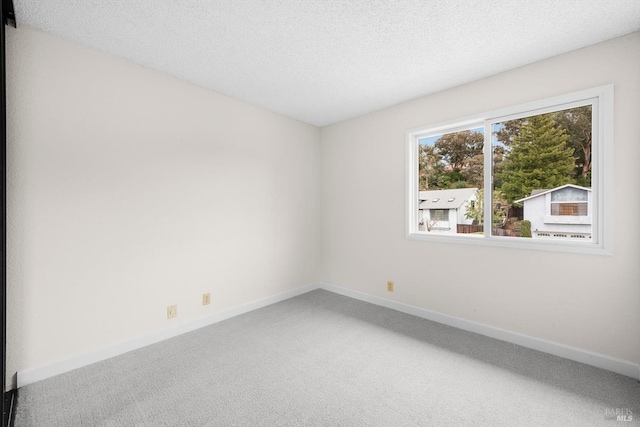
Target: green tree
[
  {"x": 429, "y": 167},
  {"x": 539, "y": 157},
  {"x": 475, "y": 211},
  {"x": 509, "y": 130},
  {"x": 444, "y": 181},
  {"x": 459, "y": 147},
  {"x": 474, "y": 172},
  {"x": 577, "y": 123},
  {"x": 498, "y": 159}
]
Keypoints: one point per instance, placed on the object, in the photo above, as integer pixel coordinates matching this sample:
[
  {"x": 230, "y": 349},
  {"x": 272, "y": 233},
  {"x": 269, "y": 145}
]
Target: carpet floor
[{"x": 321, "y": 359}]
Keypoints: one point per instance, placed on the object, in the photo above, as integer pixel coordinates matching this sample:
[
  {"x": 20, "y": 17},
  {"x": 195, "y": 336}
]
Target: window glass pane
[
  {"x": 541, "y": 171},
  {"x": 450, "y": 180},
  {"x": 439, "y": 215},
  {"x": 571, "y": 209},
  {"x": 569, "y": 194}
]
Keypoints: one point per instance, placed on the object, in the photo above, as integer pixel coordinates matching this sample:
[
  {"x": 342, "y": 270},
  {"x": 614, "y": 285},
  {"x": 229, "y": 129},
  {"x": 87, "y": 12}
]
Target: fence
[{"x": 469, "y": 228}]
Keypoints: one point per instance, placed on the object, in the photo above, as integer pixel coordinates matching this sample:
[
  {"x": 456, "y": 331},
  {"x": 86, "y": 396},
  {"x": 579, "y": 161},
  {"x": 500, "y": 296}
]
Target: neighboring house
[
  {"x": 560, "y": 213},
  {"x": 442, "y": 210}
]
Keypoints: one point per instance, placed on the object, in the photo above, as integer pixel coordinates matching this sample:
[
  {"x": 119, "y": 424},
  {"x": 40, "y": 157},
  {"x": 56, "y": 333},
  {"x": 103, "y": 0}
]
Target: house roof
[
  {"x": 536, "y": 193},
  {"x": 445, "y": 199}
]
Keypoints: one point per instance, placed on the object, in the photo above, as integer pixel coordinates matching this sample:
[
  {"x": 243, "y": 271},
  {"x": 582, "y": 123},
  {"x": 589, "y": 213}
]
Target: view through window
[
  {"x": 545, "y": 167},
  {"x": 451, "y": 175},
  {"x": 541, "y": 174}
]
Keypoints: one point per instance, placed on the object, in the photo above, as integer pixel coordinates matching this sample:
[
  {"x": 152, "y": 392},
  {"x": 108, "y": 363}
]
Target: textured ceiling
[{"x": 323, "y": 61}]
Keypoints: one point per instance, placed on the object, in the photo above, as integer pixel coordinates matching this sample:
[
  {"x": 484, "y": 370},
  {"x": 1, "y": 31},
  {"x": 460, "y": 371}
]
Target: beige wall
[
  {"x": 584, "y": 301},
  {"x": 129, "y": 190}
]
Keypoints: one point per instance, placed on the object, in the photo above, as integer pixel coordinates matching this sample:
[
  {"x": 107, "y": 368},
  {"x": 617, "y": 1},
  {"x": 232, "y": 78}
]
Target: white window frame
[{"x": 601, "y": 99}]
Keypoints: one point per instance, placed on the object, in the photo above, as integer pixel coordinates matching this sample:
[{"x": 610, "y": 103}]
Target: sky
[{"x": 432, "y": 139}]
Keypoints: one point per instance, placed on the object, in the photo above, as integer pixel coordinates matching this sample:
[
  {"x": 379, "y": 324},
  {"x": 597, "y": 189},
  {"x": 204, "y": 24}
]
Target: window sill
[
  {"x": 564, "y": 219},
  {"x": 578, "y": 247}
]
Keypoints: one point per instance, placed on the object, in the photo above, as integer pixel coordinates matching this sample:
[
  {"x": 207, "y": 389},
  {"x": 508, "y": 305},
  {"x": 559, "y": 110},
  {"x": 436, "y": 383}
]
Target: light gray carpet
[{"x": 321, "y": 359}]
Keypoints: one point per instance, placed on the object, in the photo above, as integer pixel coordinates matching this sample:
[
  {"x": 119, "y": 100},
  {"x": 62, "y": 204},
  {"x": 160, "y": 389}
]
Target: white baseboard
[
  {"x": 583, "y": 356},
  {"x": 32, "y": 375},
  {"x": 623, "y": 367}
]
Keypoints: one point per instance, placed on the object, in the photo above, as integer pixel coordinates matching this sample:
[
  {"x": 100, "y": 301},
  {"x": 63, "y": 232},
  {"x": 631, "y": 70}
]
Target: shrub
[{"x": 525, "y": 228}]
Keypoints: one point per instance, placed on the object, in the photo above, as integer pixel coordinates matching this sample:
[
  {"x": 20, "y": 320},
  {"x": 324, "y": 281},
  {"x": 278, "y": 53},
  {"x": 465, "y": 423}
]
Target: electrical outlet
[
  {"x": 172, "y": 311},
  {"x": 206, "y": 299},
  {"x": 390, "y": 286}
]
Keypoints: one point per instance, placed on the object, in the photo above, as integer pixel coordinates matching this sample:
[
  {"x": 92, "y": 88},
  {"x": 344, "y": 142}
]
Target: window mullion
[{"x": 487, "y": 151}]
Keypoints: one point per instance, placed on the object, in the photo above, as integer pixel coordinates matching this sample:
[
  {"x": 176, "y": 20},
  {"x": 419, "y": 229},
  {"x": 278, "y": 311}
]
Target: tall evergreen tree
[{"x": 539, "y": 158}]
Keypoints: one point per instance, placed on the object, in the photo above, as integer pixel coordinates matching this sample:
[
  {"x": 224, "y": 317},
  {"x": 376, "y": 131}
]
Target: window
[
  {"x": 450, "y": 173},
  {"x": 439, "y": 215},
  {"x": 545, "y": 167},
  {"x": 570, "y": 202},
  {"x": 569, "y": 209}
]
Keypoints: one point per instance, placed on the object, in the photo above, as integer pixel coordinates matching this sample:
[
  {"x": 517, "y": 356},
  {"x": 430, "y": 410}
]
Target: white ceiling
[{"x": 323, "y": 61}]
